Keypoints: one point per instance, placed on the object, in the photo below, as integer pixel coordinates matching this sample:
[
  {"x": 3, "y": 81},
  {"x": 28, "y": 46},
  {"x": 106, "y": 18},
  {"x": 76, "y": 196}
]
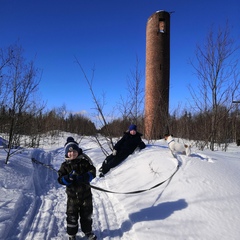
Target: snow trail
[
  {"x": 200, "y": 202},
  {"x": 109, "y": 215}
]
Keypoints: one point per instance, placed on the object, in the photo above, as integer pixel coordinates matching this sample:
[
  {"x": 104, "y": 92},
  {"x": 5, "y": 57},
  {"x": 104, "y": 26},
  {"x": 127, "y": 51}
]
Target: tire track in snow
[
  {"x": 49, "y": 212},
  {"x": 109, "y": 216},
  {"x": 104, "y": 216},
  {"x": 49, "y": 222}
]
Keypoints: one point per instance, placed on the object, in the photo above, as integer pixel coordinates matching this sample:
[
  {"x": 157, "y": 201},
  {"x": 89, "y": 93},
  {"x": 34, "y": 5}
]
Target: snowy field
[{"x": 200, "y": 202}]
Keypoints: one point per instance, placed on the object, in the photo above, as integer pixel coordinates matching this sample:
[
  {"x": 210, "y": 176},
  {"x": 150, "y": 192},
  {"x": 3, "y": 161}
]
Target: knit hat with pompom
[{"x": 71, "y": 145}]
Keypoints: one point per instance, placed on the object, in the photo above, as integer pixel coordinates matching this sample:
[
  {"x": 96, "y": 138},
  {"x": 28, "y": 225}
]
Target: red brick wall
[{"x": 157, "y": 75}]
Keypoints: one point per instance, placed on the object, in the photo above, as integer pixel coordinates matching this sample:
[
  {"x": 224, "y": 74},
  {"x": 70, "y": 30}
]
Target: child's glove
[
  {"x": 70, "y": 178},
  {"x": 66, "y": 180},
  {"x": 85, "y": 178}
]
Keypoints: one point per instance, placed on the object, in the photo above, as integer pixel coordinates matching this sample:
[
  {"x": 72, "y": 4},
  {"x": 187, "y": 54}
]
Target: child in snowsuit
[
  {"x": 122, "y": 149},
  {"x": 76, "y": 173}
]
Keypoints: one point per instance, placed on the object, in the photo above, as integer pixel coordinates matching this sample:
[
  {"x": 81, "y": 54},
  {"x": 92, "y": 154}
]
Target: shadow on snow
[{"x": 153, "y": 213}]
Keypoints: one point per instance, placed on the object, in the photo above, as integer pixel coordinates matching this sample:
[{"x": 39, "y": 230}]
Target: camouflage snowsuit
[{"x": 79, "y": 195}]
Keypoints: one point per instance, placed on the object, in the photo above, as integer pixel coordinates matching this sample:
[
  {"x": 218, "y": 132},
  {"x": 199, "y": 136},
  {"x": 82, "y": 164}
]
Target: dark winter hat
[
  {"x": 132, "y": 127},
  {"x": 70, "y": 139},
  {"x": 69, "y": 147}
]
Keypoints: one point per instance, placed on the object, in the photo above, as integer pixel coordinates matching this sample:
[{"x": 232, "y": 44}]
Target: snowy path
[
  {"x": 110, "y": 217},
  {"x": 49, "y": 219},
  {"x": 48, "y": 209},
  {"x": 200, "y": 202}
]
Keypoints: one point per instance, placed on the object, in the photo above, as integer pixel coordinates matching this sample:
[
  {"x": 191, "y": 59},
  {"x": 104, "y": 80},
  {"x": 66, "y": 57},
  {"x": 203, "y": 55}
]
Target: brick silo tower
[{"x": 157, "y": 75}]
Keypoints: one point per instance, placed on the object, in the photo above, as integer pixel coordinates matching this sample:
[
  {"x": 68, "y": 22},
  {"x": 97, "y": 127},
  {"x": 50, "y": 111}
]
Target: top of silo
[
  {"x": 160, "y": 11},
  {"x": 157, "y": 12}
]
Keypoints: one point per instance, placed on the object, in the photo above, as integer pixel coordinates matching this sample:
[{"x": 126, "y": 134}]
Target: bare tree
[
  {"x": 6, "y": 55},
  {"x": 132, "y": 107},
  {"x": 20, "y": 85},
  {"x": 136, "y": 93},
  {"x": 99, "y": 109},
  {"x": 216, "y": 69}
]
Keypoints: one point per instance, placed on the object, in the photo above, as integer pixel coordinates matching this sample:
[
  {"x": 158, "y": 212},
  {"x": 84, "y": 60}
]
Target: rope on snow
[{"x": 109, "y": 191}]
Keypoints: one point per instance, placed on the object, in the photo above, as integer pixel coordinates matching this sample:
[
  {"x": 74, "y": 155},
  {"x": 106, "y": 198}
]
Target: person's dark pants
[
  {"x": 112, "y": 161},
  {"x": 79, "y": 209}
]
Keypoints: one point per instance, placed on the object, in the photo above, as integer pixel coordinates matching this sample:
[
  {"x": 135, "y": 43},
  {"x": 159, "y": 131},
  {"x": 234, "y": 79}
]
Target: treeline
[
  {"x": 35, "y": 125},
  {"x": 197, "y": 127},
  {"x": 189, "y": 126}
]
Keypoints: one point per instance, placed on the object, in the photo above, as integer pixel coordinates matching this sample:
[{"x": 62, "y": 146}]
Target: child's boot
[
  {"x": 72, "y": 237},
  {"x": 91, "y": 236}
]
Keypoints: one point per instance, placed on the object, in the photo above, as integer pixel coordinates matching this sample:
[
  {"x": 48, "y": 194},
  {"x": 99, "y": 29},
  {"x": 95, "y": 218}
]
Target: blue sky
[{"x": 107, "y": 35}]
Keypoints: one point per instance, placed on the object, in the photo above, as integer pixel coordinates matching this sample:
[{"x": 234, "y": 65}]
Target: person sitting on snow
[
  {"x": 122, "y": 149},
  {"x": 76, "y": 173}
]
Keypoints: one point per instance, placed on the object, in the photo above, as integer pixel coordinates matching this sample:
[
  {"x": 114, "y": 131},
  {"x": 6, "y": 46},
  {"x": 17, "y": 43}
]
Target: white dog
[{"x": 177, "y": 147}]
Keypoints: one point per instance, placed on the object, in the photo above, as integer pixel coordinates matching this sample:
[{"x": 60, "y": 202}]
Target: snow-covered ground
[{"x": 201, "y": 201}]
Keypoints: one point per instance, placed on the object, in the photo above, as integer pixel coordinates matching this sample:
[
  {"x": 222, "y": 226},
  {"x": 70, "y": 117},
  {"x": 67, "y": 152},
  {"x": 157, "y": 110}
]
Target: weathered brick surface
[{"x": 157, "y": 74}]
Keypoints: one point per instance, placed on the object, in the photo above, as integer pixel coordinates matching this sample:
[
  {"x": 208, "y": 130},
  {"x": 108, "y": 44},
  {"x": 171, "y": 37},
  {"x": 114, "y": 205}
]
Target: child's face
[{"x": 72, "y": 154}]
